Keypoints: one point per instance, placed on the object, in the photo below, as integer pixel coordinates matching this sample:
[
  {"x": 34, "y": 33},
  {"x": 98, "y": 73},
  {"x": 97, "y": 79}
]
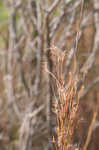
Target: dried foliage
[
  {"x": 28, "y": 29},
  {"x": 67, "y": 101}
]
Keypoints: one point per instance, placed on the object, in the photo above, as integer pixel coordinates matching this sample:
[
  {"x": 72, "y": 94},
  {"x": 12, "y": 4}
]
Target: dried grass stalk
[{"x": 67, "y": 101}]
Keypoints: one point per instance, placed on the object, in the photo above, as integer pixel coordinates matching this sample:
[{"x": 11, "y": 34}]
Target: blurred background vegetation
[{"x": 28, "y": 29}]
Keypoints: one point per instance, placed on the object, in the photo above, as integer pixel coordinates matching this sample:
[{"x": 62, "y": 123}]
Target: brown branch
[
  {"x": 90, "y": 61},
  {"x": 53, "y": 7},
  {"x": 28, "y": 124},
  {"x": 64, "y": 13},
  {"x": 12, "y": 41},
  {"x": 90, "y": 86},
  {"x": 61, "y": 42},
  {"x": 75, "y": 46},
  {"x": 90, "y": 130},
  {"x": 50, "y": 65},
  {"x": 72, "y": 51}
]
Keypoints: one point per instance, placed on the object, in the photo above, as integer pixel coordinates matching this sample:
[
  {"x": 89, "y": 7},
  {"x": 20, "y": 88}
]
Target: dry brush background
[{"x": 34, "y": 37}]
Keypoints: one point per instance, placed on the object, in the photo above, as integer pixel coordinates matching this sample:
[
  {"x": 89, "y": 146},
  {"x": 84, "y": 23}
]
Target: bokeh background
[{"x": 28, "y": 30}]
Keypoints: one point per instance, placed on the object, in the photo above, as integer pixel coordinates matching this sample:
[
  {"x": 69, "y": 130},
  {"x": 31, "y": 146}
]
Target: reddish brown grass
[{"x": 67, "y": 102}]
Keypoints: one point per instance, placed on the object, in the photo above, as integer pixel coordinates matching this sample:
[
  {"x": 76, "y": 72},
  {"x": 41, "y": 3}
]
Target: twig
[
  {"x": 52, "y": 8},
  {"x": 78, "y": 36},
  {"x": 90, "y": 130},
  {"x": 12, "y": 41},
  {"x": 90, "y": 86},
  {"x": 90, "y": 61},
  {"x": 64, "y": 13},
  {"x": 50, "y": 65}
]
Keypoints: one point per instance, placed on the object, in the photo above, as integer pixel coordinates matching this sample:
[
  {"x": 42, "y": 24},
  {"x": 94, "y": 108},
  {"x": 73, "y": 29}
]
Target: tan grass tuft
[{"x": 67, "y": 101}]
